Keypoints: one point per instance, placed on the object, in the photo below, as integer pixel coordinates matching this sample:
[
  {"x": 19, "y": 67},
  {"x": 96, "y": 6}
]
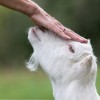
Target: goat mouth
[
  {"x": 42, "y": 28},
  {"x": 34, "y": 29}
]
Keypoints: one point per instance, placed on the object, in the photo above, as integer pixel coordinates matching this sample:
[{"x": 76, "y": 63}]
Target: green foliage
[
  {"x": 98, "y": 81},
  {"x": 13, "y": 36},
  {"x": 18, "y": 84}
]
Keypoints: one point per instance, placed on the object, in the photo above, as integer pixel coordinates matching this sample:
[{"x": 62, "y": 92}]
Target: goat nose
[
  {"x": 33, "y": 30},
  {"x": 32, "y": 34}
]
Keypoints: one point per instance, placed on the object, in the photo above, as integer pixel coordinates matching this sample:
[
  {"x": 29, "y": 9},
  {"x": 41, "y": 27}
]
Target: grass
[
  {"x": 18, "y": 84},
  {"x": 98, "y": 81}
]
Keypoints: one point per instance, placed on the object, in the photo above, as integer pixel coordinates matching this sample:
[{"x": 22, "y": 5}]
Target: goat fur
[{"x": 71, "y": 66}]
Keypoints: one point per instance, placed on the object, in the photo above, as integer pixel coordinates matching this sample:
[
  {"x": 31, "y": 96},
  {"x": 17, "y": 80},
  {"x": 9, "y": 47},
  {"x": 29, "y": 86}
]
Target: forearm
[{"x": 27, "y": 7}]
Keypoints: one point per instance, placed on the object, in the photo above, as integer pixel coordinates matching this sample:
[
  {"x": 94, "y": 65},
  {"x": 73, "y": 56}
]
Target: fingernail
[
  {"x": 84, "y": 41},
  {"x": 69, "y": 38},
  {"x": 66, "y": 37}
]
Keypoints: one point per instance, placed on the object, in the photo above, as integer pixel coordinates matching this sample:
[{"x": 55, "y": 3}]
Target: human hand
[{"x": 41, "y": 18}]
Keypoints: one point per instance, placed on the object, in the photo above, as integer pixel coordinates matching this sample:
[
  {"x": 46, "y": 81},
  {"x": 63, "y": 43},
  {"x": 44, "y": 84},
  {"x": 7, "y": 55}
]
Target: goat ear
[
  {"x": 32, "y": 64},
  {"x": 87, "y": 61}
]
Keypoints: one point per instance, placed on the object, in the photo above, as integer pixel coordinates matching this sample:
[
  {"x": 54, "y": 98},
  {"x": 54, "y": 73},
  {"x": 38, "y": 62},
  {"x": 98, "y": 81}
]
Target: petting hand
[{"x": 41, "y": 18}]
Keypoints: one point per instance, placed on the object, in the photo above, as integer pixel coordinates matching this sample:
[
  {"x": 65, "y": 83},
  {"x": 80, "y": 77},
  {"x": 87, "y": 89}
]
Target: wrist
[{"x": 32, "y": 8}]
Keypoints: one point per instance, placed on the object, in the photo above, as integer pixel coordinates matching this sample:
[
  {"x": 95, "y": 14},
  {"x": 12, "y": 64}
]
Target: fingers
[
  {"x": 58, "y": 31},
  {"x": 74, "y": 36},
  {"x": 70, "y": 33},
  {"x": 64, "y": 36},
  {"x": 58, "y": 28},
  {"x": 64, "y": 32},
  {"x": 43, "y": 19}
]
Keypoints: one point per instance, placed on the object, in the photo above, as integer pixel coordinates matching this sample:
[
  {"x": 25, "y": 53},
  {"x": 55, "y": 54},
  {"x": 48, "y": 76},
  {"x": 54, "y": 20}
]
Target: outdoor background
[{"x": 16, "y": 81}]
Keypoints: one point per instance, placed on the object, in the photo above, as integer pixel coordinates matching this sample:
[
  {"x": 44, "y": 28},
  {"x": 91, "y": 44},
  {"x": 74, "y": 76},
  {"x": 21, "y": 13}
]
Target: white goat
[{"x": 71, "y": 66}]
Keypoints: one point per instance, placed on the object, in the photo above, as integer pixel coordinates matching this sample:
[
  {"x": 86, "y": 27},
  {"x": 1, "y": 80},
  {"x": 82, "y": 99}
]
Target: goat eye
[{"x": 71, "y": 49}]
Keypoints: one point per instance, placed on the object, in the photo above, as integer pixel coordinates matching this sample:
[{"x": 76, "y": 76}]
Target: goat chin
[{"x": 71, "y": 66}]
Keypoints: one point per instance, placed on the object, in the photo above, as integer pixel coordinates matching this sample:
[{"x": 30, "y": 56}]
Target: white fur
[{"x": 71, "y": 66}]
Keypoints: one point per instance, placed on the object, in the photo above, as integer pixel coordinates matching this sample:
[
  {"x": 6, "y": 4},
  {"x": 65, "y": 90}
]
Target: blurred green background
[{"x": 16, "y": 82}]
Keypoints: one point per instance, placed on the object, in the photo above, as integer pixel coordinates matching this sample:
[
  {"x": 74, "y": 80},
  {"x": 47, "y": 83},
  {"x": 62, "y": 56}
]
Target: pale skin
[{"x": 42, "y": 19}]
